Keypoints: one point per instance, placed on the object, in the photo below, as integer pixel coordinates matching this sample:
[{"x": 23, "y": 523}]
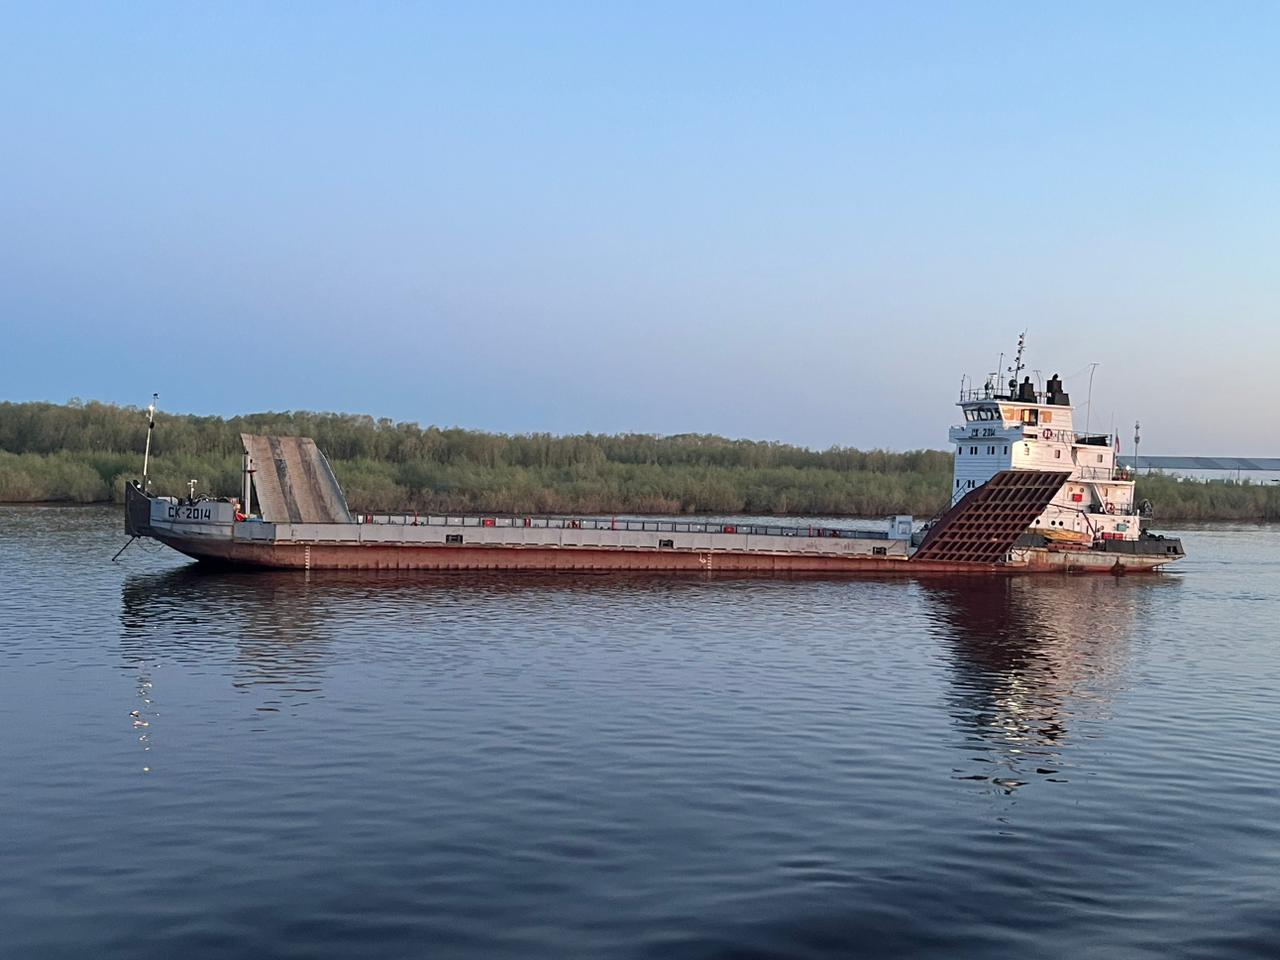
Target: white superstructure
[{"x": 1024, "y": 428}]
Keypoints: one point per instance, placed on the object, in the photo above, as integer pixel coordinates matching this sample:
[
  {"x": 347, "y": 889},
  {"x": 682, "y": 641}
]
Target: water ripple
[{"x": 323, "y": 766}]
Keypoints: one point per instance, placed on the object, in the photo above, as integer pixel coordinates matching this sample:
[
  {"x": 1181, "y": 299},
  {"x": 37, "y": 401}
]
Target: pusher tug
[{"x": 1029, "y": 495}]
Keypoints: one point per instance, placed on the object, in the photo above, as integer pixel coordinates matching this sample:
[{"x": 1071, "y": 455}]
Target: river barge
[{"x": 1030, "y": 495}]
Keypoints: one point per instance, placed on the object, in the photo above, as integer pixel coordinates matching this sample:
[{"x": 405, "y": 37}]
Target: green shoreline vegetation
[{"x": 85, "y": 452}]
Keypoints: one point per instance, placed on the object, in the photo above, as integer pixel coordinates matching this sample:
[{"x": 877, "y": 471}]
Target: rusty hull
[{"x": 502, "y": 557}]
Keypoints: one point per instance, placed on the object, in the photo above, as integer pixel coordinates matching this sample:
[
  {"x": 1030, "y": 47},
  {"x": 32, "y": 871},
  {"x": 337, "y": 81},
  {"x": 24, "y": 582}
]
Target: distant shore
[{"x": 85, "y": 452}]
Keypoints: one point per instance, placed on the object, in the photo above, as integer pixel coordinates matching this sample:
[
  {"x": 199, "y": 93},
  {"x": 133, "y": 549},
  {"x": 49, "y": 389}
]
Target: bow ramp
[
  {"x": 985, "y": 524},
  {"x": 293, "y": 481}
]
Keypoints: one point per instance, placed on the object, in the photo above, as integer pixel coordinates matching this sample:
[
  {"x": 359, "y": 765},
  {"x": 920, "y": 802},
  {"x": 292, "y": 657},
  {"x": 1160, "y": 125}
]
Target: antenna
[
  {"x": 151, "y": 426},
  {"x": 1137, "y": 439},
  {"x": 1018, "y": 365},
  {"x": 1089, "y": 404}
]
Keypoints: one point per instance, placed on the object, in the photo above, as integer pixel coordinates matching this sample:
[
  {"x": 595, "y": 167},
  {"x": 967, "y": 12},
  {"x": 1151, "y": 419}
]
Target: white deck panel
[{"x": 426, "y": 534}]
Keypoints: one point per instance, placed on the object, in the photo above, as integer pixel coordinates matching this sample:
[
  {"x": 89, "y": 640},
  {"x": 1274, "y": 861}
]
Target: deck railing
[
  {"x": 631, "y": 525},
  {"x": 1001, "y": 395},
  {"x": 1103, "y": 473}
]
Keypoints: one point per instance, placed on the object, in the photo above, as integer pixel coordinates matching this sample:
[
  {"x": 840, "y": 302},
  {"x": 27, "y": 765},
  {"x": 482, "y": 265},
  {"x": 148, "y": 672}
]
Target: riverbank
[{"x": 84, "y": 453}]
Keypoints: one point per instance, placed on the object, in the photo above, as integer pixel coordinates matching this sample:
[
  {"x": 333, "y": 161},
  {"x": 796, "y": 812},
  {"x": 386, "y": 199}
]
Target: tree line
[{"x": 85, "y": 452}]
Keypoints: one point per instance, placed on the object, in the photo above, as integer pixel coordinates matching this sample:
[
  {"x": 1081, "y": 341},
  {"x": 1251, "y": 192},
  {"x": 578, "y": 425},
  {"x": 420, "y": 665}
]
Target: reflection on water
[
  {"x": 279, "y": 626},
  {"x": 277, "y": 633},
  {"x": 1031, "y": 663},
  {"x": 263, "y": 624},
  {"x": 144, "y": 714},
  {"x": 1034, "y": 663}
]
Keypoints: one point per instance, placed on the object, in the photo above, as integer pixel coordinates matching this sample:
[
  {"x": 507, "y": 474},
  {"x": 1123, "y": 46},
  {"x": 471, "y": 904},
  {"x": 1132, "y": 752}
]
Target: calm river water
[{"x": 231, "y": 765}]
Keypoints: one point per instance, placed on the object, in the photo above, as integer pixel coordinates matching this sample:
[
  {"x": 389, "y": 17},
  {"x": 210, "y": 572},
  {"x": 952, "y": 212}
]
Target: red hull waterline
[{"x": 297, "y": 556}]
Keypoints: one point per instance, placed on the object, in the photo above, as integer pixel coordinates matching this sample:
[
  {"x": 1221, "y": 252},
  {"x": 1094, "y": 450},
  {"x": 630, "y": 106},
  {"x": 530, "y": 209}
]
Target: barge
[{"x": 1029, "y": 495}]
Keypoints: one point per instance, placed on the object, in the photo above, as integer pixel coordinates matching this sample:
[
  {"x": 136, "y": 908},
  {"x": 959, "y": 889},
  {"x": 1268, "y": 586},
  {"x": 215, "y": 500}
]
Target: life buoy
[
  {"x": 1047, "y": 434},
  {"x": 1111, "y": 507}
]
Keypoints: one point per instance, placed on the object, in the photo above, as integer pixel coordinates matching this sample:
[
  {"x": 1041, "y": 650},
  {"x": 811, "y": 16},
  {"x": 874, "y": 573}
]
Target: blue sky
[{"x": 780, "y": 221}]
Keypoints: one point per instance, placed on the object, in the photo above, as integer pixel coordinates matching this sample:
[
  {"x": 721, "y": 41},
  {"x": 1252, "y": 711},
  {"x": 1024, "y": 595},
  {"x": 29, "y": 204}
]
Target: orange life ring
[
  {"x": 1111, "y": 507},
  {"x": 1047, "y": 433}
]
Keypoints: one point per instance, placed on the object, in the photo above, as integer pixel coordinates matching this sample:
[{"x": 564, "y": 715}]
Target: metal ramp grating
[
  {"x": 984, "y": 525},
  {"x": 293, "y": 481}
]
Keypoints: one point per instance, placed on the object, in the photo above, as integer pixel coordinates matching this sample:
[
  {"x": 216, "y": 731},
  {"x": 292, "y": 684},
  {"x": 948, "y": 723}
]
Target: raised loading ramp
[
  {"x": 293, "y": 482},
  {"x": 984, "y": 525}
]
